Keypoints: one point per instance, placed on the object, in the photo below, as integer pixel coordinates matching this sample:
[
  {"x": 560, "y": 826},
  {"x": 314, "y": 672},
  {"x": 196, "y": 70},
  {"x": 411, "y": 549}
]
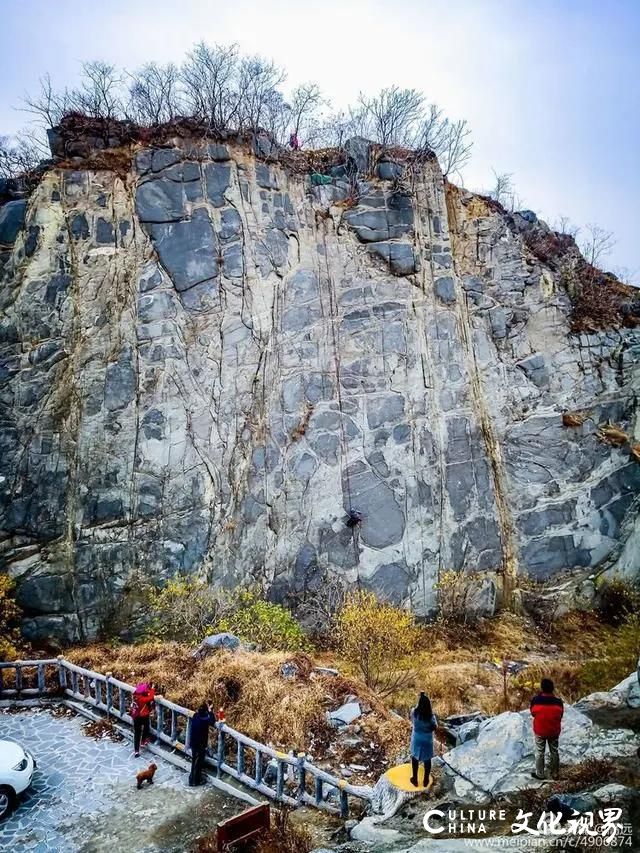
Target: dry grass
[
  {"x": 455, "y": 669},
  {"x": 285, "y": 712}
]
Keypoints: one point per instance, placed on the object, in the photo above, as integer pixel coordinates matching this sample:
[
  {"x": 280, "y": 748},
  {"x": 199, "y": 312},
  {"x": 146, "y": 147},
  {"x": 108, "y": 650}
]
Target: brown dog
[{"x": 146, "y": 775}]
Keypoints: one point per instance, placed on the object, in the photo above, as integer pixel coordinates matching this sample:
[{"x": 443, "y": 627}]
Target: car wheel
[{"x": 7, "y": 800}]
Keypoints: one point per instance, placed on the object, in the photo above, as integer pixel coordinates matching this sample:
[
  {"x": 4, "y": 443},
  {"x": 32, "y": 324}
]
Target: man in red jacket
[{"x": 547, "y": 710}]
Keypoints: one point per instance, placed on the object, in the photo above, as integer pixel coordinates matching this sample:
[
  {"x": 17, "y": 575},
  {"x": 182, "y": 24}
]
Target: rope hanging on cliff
[{"x": 352, "y": 512}]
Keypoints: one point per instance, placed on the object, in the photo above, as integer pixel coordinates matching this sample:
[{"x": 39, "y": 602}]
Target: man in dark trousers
[
  {"x": 547, "y": 710},
  {"x": 200, "y": 722}
]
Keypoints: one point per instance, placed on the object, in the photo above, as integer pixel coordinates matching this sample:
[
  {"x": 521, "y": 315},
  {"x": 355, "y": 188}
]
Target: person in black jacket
[{"x": 200, "y": 722}]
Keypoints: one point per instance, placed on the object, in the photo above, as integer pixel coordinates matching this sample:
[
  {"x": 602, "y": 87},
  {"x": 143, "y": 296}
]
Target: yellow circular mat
[{"x": 400, "y": 777}]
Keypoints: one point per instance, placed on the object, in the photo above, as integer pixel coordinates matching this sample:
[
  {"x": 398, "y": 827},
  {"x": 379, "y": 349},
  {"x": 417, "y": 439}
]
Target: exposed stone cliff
[{"x": 207, "y": 363}]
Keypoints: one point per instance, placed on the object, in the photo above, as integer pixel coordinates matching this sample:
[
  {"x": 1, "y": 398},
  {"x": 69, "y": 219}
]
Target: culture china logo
[{"x": 603, "y": 828}]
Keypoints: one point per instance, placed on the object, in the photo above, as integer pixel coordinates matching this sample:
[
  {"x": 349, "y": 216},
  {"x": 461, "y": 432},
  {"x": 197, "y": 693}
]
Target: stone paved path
[{"x": 84, "y": 797}]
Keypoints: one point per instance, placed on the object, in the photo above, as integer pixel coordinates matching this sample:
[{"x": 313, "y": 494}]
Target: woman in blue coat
[{"x": 424, "y": 724}]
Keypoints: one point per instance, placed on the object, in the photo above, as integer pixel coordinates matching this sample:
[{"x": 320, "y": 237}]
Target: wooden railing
[{"x": 296, "y": 781}]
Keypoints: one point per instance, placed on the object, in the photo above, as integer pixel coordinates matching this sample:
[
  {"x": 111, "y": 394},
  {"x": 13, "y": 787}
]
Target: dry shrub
[
  {"x": 617, "y": 601},
  {"x": 301, "y": 428},
  {"x": 184, "y": 609},
  {"x": 566, "y": 677},
  {"x": 379, "y": 640},
  {"x": 10, "y": 616},
  {"x": 617, "y": 657},
  {"x": 392, "y": 736},
  {"x": 611, "y": 434},
  {"x": 600, "y": 301},
  {"x": 458, "y": 593},
  {"x": 574, "y": 419}
]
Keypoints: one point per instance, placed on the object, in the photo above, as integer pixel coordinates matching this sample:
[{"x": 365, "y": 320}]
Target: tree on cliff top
[{"x": 225, "y": 91}]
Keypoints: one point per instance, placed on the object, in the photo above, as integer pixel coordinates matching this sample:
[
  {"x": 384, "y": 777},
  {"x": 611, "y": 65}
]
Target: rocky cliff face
[{"x": 207, "y": 364}]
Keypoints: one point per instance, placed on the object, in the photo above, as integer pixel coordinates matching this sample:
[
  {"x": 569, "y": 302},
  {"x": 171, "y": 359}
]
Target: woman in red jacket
[
  {"x": 141, "y": 705},
  {"x": 547, "y": 710}
]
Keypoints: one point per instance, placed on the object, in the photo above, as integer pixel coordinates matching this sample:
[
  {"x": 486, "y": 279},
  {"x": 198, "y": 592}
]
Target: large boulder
[
  {"x": 619, "y": 706},
  {"x": 500, "y": 760},
  {"x": 216, "y": 642}
]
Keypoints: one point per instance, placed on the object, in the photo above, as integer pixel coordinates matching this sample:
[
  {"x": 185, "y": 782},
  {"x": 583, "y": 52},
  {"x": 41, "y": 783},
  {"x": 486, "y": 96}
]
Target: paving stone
[{"x": 83, "y": 795}]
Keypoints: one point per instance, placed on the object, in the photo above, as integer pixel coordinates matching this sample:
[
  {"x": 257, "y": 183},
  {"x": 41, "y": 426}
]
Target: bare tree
[
  {"x": 209, "y": 76},
  {"x": 47, "y": 105},
  {"x": 258, "y": 81},
  {"x": 563, "y": 225},
  {"x": 334, "y": 131},
  {"x": 100, "y": 92},
  {"x": 154, "y": 96},
  {"x": 455, "y": 149},
  {"x": 502, "y": 190},
  {"x": 625, "y": 274},
  {"x": 597, "y": 244},
  {"x": 275, "y": 115},
  {"x": 303, "y": 109},
  {"x": 18, "y": 155},
  {"x": 393, "y": 115},
  {"x": 434, "y": 129}
]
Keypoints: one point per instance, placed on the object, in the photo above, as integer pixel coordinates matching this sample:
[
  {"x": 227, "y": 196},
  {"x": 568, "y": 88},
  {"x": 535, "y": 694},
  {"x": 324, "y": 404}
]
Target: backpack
[{"x": 135, "y": 707}]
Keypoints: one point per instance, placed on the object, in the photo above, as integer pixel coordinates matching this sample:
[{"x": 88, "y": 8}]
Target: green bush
[
  {"x": 184, "y": 610},
  {"x": 255, "y": 620}
]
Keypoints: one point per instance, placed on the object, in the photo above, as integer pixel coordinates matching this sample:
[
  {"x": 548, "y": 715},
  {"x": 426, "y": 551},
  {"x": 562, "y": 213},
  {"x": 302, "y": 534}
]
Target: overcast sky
[{"x": 550, "y": 88}]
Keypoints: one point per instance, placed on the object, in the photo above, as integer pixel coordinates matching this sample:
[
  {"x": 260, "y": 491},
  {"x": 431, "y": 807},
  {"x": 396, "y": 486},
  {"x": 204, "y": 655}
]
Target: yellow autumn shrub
[{"x": 379, "y": 640}]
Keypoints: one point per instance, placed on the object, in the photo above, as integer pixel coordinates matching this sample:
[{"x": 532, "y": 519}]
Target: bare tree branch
[{"x": 597, "y": 244}]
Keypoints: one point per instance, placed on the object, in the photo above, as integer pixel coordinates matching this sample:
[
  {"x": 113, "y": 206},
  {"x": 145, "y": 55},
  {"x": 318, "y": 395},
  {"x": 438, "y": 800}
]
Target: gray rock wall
[{"x": 206, "y": 364}]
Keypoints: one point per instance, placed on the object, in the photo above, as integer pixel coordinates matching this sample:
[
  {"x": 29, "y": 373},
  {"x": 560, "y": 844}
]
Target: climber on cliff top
[{"x": 294, "y": 142}]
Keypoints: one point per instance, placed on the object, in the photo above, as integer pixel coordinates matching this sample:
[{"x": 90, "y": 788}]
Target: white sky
[{"x": 551, "y": 89}]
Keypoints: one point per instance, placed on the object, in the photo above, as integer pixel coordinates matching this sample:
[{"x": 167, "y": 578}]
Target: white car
[{"x": 16, "y": 772}]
